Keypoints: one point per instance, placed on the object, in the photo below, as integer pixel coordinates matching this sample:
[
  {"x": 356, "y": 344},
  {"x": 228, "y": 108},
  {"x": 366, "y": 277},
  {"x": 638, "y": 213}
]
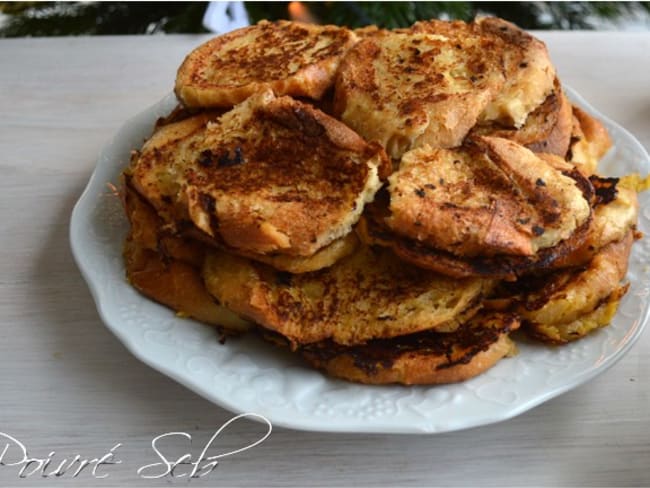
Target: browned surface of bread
[
  {"x": 271, "y": 176},
  {"x": 324, "y": 257},
  {"x": 367, "y": 295},
  {"x": 595, "y": 132},
  {"x": 526, "y": 66},
  {"x": 289, "y": 58},
  {"x": 565, "y": 305},
  {"x": 616, "y": 211},
  {"x": 408, "y": 88},
  {"x": 180, "y": 113},
  {"x": 189, "y": 245},
  {"x": 489, "y": 197},
  {"x": 425, "y": 358},
  {"x": 157, "y": 169}
]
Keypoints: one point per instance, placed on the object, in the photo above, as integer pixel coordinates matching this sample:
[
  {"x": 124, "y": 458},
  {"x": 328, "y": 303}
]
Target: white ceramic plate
[{"x": 246, "y": 375}]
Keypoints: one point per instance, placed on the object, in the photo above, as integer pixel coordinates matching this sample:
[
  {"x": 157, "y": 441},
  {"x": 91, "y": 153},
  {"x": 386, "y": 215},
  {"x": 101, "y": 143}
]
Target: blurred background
[{"x": 102, "y": 18}]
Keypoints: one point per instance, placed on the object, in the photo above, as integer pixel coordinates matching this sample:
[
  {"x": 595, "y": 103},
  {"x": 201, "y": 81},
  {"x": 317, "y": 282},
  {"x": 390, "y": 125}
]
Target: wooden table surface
[{"x": 68, "y": 385}]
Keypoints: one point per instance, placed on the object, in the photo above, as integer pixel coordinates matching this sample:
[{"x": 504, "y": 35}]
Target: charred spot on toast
[{"x": 605, "y": 189}]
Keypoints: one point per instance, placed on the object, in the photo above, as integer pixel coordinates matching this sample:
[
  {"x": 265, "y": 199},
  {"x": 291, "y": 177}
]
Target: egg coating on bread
[
  {"x": 492, "y": 196},
  {"x": 273, "y": 175},
  {"x": 290, "y": 58},
  {"x": 405, "y": 88},
  {"x": 369, "y": 294}
]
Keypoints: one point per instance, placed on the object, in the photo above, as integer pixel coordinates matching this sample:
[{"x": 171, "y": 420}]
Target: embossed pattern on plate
[{"x": 246, "y": 375}]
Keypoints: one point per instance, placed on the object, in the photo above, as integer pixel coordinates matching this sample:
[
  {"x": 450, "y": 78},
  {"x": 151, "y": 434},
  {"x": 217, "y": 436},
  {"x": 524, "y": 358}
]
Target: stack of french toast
[{"x": 389, "y": 205}]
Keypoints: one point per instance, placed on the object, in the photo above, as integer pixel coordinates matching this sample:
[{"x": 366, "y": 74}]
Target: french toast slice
[
  {"x": 272, "y": 176},
  {"x": 424, "y": 358},
  {"x": 406, "y": 88},
  {"x": 369, "y": 294},
  {"x": 614, "y": 214},
  {"x": 489, "y": 197},
  {"x": 289, "y": 58},
  {"x": 167, "y": 266}
]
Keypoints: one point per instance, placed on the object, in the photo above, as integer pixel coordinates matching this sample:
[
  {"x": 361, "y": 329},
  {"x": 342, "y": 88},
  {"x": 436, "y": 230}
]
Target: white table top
[{"x": 68, "y": 385}]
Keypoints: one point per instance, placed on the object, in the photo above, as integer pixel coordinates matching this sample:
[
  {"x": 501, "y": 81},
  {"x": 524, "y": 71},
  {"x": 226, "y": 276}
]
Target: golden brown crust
[
  {"x": 367, "y": 295},
  {"x": 594, "y": 131},
  {"x": 489, "y": 197},
  {"x": 568, "y": 304},
  {"x": 289, "y": 58},
  {"x": 614, "y": 216},
  {"x": 189, "y": 245},
  {"x": 410, "y": 87},
  {"x": 167, "y": 268},
  {"x": 425, "y": 358},
  {"x": 366, "y": 31},
  {"x": 180, "y": 113},
  {"x": 527, "y": 69},
  {"x": 271, "y": 176},
  {"x": 323, "y": 258},
  {"x": 270, "y": 190}
]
